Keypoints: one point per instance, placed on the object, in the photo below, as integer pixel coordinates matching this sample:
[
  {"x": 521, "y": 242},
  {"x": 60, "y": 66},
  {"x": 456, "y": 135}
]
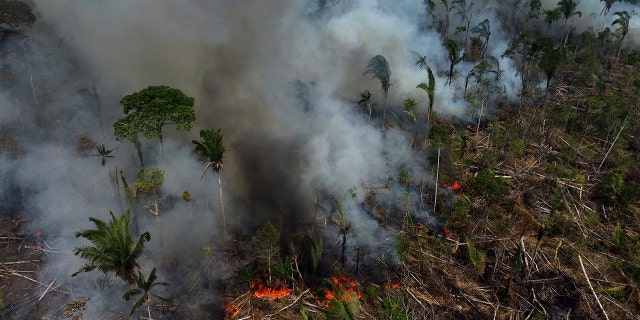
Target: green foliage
[
  {"x": 149, "y": 180},
  {"x": 429, "y": 88},
  {"x": 345, "y": 309},
  {"x": 619, "y": 237},
  {"x": 477, "y": 258},
  {"x": 265, "y": 245},
  {"x": 438, "y": 135},
  {"x": 461, "y": 206},
  {"x": 455, "y": 55},
  {"x": 613, "y": 190},
  {"x": 392, "y": 306},
  {"x": 112, "y": 249},
  {"x": 486, "y": 184},
  {"x": 186, "y": 196},
  {"x": 210, "y": 148},
  {"x": 410, "y": 108},
  {"x": 403, "y": 176},
  {"x": 149, "y": 110},
  {"x": 143, "y": 289},
  {"x": 517, "y": 148},
  {"x": 311, "y": 244},
  {"x": 378, "y": 67},
  {"x": 104, "y": 153}
]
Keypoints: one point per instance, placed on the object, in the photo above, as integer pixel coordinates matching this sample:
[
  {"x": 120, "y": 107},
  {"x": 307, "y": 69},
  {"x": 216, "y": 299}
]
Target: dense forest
[{"x": 320, "y": 159}]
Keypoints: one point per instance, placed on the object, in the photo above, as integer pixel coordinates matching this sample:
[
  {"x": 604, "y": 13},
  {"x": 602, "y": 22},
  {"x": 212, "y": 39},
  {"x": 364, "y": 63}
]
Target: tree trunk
[
  {"x": 224, "y": 217},
  {"x": 435, "y": 197}
]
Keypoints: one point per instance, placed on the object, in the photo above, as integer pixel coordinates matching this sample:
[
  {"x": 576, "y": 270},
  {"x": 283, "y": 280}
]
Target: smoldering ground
[{"x": 238, "y": 60}]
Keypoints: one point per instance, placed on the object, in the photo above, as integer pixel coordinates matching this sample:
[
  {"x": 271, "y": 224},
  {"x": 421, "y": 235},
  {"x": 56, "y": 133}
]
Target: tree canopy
[
  {"x": 15, "y": 14},
  {"x": 149, "y": 110}
]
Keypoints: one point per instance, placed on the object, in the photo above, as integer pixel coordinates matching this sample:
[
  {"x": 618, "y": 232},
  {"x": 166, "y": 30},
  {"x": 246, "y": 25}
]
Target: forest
[{"x": 320, "y": 159}]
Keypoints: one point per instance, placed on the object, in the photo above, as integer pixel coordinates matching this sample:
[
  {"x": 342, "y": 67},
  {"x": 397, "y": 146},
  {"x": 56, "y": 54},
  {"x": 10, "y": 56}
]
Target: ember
[
  {"x": 392, "y": 286},
  {"x": 262, "y": 291},
  {"x": 455, "y": 186}
]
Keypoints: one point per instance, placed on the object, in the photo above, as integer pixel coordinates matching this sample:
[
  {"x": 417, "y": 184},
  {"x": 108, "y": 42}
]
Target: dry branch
[{"x": 591, "y": 287}]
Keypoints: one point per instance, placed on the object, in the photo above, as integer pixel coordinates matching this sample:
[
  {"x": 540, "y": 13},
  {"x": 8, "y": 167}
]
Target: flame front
[{"x": 262, "y": 291}]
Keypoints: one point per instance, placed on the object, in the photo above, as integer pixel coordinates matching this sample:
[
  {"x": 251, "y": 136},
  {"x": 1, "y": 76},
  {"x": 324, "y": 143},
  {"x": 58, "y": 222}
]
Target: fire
[
  {"x": 344, "y": 289},
  {"x": 262, "y": 291},
  {"x": 392, "y": 286},
  {"x": 447, "y": 233},
  {"x": 455, "y": 186},
  {"x": 231, "y": 310}
]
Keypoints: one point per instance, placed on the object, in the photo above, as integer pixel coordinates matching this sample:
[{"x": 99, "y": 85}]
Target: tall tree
[
  {"x": 143, "y": 289},
  {"x": 344, "y": 226},
  {"x": 623, "y": 27},
  {"x": 211, "y": 149},
  {"x": 568, "y": 10},
  {"x": 366, "y": 102},
  {"x": 607, "y": 6},
  {"x": 465, "y": 12},
  {"x": 265, "y": 246},
  {"x": 378, "y": 67},
  {"x": 149, "y": 182},
  {"x": 454, "y": 54},
  {"x": 112, "y": 249},
  {"x": 149, "y": 110},
  {"x": 430, "y": 89},
  {"x": 483, "y": 30}
]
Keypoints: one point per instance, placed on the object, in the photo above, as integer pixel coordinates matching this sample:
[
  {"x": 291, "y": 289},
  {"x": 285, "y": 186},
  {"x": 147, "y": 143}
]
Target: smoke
[{"x": 238, "y": 60}]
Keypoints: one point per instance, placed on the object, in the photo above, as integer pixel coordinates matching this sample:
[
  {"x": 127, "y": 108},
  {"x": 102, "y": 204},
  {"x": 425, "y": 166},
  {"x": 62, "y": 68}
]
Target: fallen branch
[
  {"x": 47, "y": 289},
  {"x": 591, "y": 287}
]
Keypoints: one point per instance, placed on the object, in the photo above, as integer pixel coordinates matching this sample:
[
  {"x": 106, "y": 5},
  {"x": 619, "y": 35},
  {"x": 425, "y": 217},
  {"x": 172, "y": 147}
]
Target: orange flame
[
  {"x": 392, "y": 286},
  {"x": 447, "y": 233},
  {"x": 262, "y": 291},
  {"x": 455, "y": 186},
  {"x": 231, "y": 310},
  {"x": 344, "y": 289}
]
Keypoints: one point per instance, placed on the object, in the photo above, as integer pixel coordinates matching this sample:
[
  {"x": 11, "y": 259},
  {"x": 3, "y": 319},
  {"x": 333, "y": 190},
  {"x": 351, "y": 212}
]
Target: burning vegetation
[{"x": 504, "y": 186}]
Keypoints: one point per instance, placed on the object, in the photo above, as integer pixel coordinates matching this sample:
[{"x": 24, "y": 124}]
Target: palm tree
[
  {"x": 103, "y": 152},
  {"x": 379, "y": 68},
  {"x": 430, "y": 89},
  {"x": 211, "y": 149},
  {"x": 454, "y": 55},
  {"x": 365, "y": 102},
  {"x": 568, "y": 10},
  {"x": 623, "y": 29},
  {"x": 343, "y": 228},
  {"x": 607, "y": 6},
  {"x": 143, "y": 289},
  {"x": 483, "y": 29},
  {"x": 113, "y": 249}
]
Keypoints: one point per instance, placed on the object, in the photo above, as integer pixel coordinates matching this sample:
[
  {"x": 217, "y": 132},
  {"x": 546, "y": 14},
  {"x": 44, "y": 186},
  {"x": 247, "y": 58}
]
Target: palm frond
[{"x": 378, "y": 67}]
